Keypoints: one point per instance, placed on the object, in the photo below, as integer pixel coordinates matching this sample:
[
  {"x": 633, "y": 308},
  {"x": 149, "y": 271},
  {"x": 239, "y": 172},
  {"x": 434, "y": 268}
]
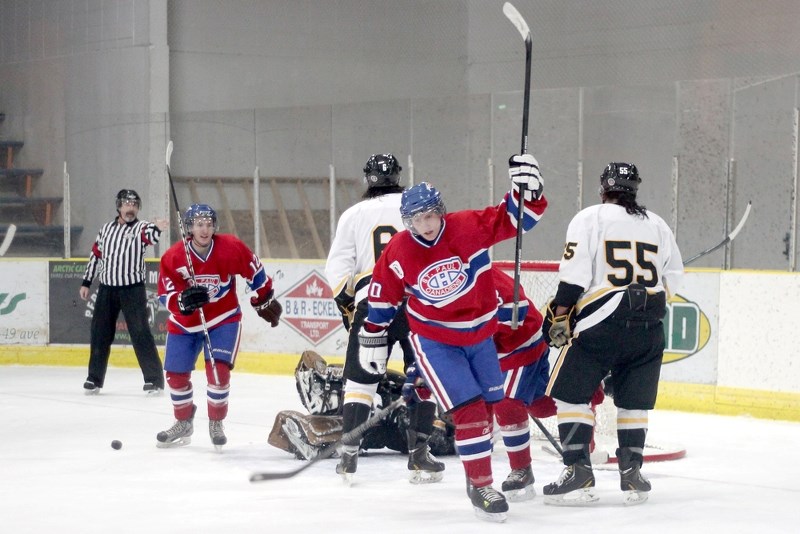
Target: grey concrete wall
[
  {"x": 296, "y": 86},
  {"x": 78, "y": 86},
  {"x": 248, "y": 54}
]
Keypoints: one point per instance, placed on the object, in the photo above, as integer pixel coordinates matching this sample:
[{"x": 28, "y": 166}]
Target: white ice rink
[{"x": 59, "y": 474}]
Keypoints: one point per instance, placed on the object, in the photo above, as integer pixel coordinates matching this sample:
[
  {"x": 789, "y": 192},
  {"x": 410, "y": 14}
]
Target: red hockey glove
[{"x": 415, "y": 389}]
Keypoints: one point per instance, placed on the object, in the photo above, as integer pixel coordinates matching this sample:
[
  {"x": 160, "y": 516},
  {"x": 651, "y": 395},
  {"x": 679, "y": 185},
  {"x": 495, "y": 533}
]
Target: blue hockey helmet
[
  {"x": 199, "y": 211},
  {"x": 417, "y": 199},
  {"x": 622, "y": 177}
]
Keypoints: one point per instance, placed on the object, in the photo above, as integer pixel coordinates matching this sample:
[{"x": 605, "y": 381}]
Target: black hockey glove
[
  {"x": 192, "y": 298},
  {"x": 557, "y": 329},
  {"x": 347, "y": 307}
]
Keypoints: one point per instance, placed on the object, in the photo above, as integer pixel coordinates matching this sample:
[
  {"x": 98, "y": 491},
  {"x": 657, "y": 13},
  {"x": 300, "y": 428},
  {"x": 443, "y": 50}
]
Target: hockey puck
[{"x": 116, "y": 444}]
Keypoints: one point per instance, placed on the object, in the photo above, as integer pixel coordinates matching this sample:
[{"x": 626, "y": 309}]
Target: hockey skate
[
  {"x": 489, "y": 504},
  {"x": 152, "y": 390},
  {"x": 217, "y": 433},
  {"x": 423, "y": 466},
  {"x": 90, "y": 388},
  {"x": 177, "y": 435},
  {"x": 348, "y": 463},
  {"x": 635, "y": 487},
  {"x": 518, "y": 486},
  {"x": 575, "y": 487}
]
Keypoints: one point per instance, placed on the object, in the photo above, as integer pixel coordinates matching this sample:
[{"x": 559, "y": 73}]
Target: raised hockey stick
[
  {"x": 330, "y": 449},
  {"x": 189, "y": 262},
  {"x": 516, "y": 19},
  {"x": 730, "y": 237},
  {"x": 12, "y": 229}
]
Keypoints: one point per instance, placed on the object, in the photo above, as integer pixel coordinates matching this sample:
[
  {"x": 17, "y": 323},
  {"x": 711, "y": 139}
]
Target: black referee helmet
[{"x": 128, "y": 195}]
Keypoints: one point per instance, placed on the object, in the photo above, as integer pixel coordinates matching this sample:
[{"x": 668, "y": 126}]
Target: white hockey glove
[
  {"x": 373, "y": 351},
  {"x": 524, "y": 169}
]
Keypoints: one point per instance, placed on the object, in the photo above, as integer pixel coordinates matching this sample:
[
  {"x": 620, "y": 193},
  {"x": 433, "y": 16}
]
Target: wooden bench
[
  {"x": 42, "y": 208},
  {"x": 21, "y": 179},
  {"x": 7, "y": 149}
]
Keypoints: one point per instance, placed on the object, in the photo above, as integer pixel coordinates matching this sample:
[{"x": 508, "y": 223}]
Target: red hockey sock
[
  {"x": 180, "y": 392},
  {"x": 513, "y": 420},
  {"x": 218, "y": 392},
  {"x": 474, "y": 441}
]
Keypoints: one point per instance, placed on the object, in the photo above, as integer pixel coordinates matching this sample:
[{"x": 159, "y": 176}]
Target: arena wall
[{"x": 731, "y": 335}]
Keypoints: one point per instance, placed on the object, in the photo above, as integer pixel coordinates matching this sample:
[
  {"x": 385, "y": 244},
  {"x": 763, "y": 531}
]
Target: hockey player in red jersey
[
  {"x": 442, "y": 264},
  {"x": 216, "y": 259},
  {"x": 523, "y": 360}
]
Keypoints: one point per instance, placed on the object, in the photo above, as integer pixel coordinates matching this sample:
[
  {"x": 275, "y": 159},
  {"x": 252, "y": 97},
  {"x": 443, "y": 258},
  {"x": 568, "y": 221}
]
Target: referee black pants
[{"x": 132, "y": 301}]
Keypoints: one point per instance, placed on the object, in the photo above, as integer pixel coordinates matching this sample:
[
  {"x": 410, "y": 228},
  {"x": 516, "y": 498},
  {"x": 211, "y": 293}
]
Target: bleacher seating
[{"x": 37, "y": 234}]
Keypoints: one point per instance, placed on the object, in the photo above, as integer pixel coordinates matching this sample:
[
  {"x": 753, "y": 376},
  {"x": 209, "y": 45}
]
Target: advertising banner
[
  {"x": 71, "y": 317},
  {"x": 23, "y": 303},
  {"x": 310, "y": 320},
  {"x": 691, "y": 330}
]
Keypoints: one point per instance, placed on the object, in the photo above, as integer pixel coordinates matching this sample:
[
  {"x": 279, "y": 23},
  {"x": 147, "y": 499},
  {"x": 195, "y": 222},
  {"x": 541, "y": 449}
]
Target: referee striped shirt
[{"x": 118, "y": 253}]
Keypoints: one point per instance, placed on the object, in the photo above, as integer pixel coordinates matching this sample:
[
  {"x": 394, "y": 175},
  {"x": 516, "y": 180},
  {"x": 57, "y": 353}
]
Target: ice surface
[{"x": 59, "y": 473}]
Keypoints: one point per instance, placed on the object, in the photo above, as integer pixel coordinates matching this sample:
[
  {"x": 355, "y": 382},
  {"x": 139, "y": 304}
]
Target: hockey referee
[{"x": 118, "y": 257}]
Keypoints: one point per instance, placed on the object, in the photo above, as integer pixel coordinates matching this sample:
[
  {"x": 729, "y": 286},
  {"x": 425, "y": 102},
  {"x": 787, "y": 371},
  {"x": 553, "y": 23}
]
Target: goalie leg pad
[{"x": 304, "y": 435}]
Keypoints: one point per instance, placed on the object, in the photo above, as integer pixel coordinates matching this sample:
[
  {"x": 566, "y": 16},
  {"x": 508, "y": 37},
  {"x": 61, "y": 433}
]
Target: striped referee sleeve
[{"x": 120, "y": 251}]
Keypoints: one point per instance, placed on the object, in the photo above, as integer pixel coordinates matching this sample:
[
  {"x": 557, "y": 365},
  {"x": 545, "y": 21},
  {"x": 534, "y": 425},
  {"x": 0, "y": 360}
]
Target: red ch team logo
[
  {"x": 309, "y": 308},
  {"x": 443, "y": 279}
]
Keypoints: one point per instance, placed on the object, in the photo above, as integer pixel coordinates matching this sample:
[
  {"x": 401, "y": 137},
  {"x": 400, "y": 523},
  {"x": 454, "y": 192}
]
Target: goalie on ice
[{"x": 319, "y": 386}]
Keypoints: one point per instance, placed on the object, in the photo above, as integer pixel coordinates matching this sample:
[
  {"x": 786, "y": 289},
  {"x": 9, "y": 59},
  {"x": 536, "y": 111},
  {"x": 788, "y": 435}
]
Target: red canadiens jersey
[
  {"x": 525, "y": 345},
  {"x": 227, "y": 257},
  {"x": 451, "y": 294}
]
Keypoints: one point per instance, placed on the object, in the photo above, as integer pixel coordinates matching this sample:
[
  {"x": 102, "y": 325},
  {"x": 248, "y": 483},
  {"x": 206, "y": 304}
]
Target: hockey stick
[
  {"x": 516, "y": 19},
  {"x": 12, "y": 229},
  {"x": 730, "y": 237},
  {"x": 330, "y": 449},
  {"x": 556, "y": 445},
  {"x": 189, "y": 263}
]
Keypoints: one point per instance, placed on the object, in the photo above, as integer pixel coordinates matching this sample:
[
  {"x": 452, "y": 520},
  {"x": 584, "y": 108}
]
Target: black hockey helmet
[
  {"x": 382, "y": 170},
  {"x": 128, "y": 195},
  {"x": 622, "y": 177}
]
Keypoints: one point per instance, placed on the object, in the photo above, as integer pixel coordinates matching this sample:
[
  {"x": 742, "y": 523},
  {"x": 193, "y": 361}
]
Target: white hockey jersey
[
  {"x": 608, "y": 249},
  {"x": 361, "y": 234}
]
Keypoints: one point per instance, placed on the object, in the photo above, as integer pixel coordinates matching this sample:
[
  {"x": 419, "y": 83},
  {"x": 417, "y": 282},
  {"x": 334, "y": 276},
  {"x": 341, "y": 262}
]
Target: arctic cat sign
[
  {"x": 309, "y": 308},
  {"x": 686, "y": 329}
]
